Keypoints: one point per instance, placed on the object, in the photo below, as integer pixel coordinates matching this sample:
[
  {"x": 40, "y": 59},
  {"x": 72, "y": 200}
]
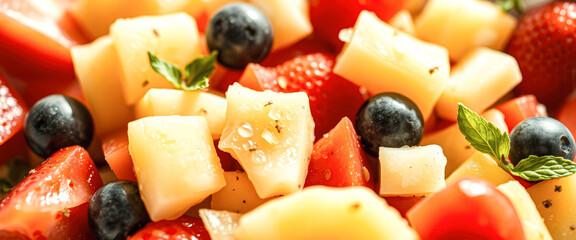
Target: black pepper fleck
[
  {"x": 558, "y": 188},
  {"x": 547, "y": 203}
]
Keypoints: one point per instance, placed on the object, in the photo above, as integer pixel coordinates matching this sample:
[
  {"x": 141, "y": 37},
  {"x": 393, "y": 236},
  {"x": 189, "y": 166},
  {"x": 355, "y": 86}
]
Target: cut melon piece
[
  {"x": 220, "y": 224},
  {"x": 481, "y": 78},
  {"x": 271, "y": 135},
  {"x": 175, "y": 163},
  {"x": 403, "y": 22},
  {"x": 166, "y": 102},
  {"x": 173, "y": 38},
  {"x": 532, "y": 222},
  {"x": 411, "y": 171},
  {"x": 98, "y": 70},
  {"x": 238, "y": 195},
  {"x": 320, "y": 212},
  {"x": 482, "y": 166},
  {"x": 384, "y": 59},
  {"x": 462, "y": 25}
]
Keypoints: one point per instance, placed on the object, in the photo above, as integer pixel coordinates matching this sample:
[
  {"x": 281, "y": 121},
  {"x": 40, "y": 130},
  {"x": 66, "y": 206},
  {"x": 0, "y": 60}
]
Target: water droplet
[
  {"x": 275, "y": 113},
  {"x": 245, "y": 130},
  {"x": 269, "y": 136},
  {"x": 258, "y": 156}
]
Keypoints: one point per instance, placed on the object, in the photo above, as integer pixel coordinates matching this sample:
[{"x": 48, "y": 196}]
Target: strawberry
[
  {"x": 543, "y": 44},
  {"x": 52, "y": 201},
  {"x": 12, "y": 113},
  {"x": 331, "y": 97},
  {"x": 184, "y": 227}
]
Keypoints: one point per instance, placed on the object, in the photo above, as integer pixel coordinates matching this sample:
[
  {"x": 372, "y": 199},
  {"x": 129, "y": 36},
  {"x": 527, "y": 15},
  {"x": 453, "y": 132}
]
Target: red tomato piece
[
  {"x": 567, "y": 115},
  {"x": 519, "y": 109},
  {"x": 52, "y": 201},
  {"x": 471, "y": 208},
  {"x": 184, "y": 227},
  {"x": 117, "y": 155}
]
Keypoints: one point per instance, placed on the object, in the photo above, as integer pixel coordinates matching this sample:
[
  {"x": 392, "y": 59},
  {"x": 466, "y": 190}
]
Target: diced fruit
[
  {"x": 482, "y": 166},
  {"x": 325, "y": 213},
  {"x": 411, "y": 171},
  {"x": 220, "y": 224},
  {"x": 519, "y": 109},
  {"x": 238, "y": 195},
  {"x": 471, "y": 208},
  {"x": 172, "y": 37},
  {"x": 461, "y": 26},
  {"x": 184, "y": 227},
  {"x": 567, "y": 115},
  {"x": 52, "y": 201},
  {"x": 117, "y": 155},
  {"x": 175, "y": 163},
  {"x": 271, "y": 135},
  {"x": 393, "y": 61},
  {"x": 403, "y": 22},
  {"x": 338, "y": 161},
  {"x": 532, "y": 222},
  {"x": 479, "y": 79},
  {"x": 12, "y": 112},
  {"x": 166, "y": 102},
  {"x": 98, "y": 70}
]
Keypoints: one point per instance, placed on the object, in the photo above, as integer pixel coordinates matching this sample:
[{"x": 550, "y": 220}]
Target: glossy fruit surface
[
  {"x": 12, "y": 111},
  {"x": 541, "y": 136},
  {"x": 241, "y": 34},
  {"x": 389, "y": 120},
  {"x": 116, "y": 210},
  {"x": 519, "y": 109},
  {"x": 184, "y": 227},
  {"x": 55, "y": 122}
]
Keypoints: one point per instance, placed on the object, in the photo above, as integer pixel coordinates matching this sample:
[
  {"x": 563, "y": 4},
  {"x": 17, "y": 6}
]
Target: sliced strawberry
[
  {"x": 184, "y": 227},
  {"x": 12, "y": 111},
  {"x": 331, "y": 97},
  {"x": 519, "y": 109},
  {"x": 52, "y": 201},
  {"x": 338, "y": 161}
]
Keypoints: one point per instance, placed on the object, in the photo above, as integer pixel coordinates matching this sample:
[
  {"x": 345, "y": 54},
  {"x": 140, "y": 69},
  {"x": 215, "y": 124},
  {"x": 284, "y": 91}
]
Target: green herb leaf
[
  {"x": 166, "y": 69},
  {"x": 536, "y": 168},
  {"x": 483, "y": 135},
  {"x": 198, "y": 71},
  {"x": 509, "y": 5}
]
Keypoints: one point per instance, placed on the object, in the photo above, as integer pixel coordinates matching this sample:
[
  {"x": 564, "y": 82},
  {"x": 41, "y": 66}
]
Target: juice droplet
[
  {"x": 245, "y": 130},
  {"x": 269, "y": 136},
  {"x": 258, "y": 156}
]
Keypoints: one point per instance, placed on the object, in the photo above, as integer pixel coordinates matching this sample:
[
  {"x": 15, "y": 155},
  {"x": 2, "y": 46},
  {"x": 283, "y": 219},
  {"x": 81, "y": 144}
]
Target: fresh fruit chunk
[
  {"x": 393, "y": 61},
  {"x": 175, "y": 163},
  {"x": 403, "y": 22},
  {"x": 411, "y": 171},
  {"x": 478, "y": 80},
  {"x": 338, "y": 161},
  {"x": 482, "y": 166},
  {"x": 238, "y": 195},
  {"x": 56, "y": 122},
  {"x": 567, "y": 115},
  {"x": 116, "y": 154},
  {"x": 543, "y": 45},
  {"x": 471, "y": 208},
  {"x": 271, "y": 135},
  {"x": 389, "y": 120},
  {"x": 52, "y": 201},
  {"x": 310, "y": 73},
  {"x": 171, "y": 37},
  {"x": 220, "y": 224},
  {"x": 461, "y": 26},
  {"x": 12, "y": 111},
  {"x": 116, "y": 210},
  {"x": 519, "y": 109},
  {"x": 321, "y": 212},
  {"x": 184, "y": 227}
]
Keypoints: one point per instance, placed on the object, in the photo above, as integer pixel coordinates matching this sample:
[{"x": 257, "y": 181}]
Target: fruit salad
[{"x": 276, "y": 119}]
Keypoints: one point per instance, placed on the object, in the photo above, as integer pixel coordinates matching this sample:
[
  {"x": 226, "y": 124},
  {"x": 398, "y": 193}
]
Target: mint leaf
[
  {"x": 198, "y": 71},
  {"x": 166, "y": 69},
  {"x": 483, "y": 135},
  {"x": 536, "y": 168}
]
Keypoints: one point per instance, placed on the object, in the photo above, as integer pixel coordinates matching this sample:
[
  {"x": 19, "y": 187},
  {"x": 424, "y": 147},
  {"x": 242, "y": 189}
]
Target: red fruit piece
[
  {"x": 567, "y": 115},
  {"x": 543, "y": 44},
  {"x": 182, "y": 228},
  {"x": 519, "y": 109},
  {"x": 331, "y": 97},
  {"x": 52, "y": 201},
  {"x": 338, "y": 161},
  {"x": 12, "y": 111}
]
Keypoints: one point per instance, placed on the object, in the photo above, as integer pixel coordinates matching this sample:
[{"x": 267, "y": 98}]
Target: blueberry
[
  {"x": 56, "y": 122},
  {"x": 117, "y": 211},
  {"x": 241, "y": 33},
  {"x": 541, "y": 136},
  {"x": 389, "y": 120}
]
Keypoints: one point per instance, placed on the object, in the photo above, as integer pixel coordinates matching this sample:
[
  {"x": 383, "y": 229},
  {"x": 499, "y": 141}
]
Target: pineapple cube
[
  {"x": 271, "y": 135},
  {"x": 175, "y": 162},
  {"x": 403, "y": 22},
  {"x": 411, "y": 171},
  {"x": 481, "y": 78},
  {"x": 462, "y": 25},
  {"x": 238, "y": 195},
  {"x": 384, "y": 59},
  {"x": 220, "y": 224},
  {"x": 173, "y": 38},
  {"x": 483, "y": 166}
]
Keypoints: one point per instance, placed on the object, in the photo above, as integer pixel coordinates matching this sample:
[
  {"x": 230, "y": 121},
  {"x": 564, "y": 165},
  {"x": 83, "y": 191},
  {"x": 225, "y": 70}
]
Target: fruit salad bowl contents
[{"x": 274, "y": 119}]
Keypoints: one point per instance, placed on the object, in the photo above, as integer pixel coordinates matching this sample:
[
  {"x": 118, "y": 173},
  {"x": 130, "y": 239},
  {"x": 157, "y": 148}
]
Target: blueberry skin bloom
[
  {"x": 241, "y": 34},
  {"x": 541, "y": 136},
  {"x": 389, "y": 120},
  {"x": 56, "y": 122}
]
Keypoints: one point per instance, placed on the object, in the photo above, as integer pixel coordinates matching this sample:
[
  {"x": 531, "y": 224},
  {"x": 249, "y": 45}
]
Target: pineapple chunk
[
  {"x": 220, "y": 224},
  {"x": 462, "y": 25},
  {"x": 97, "y": 68},
  {"x": 482, "y": 166},
  {"x": 271, "y": 135},
  {"x": 384, "y": 59},
  {"x": 481, "y": 78},
  {"x": 532, "y": 223},
  {"x": 411, "y": 171},
  {"x": 403, "y": 22},
  {"x": 173, "y": 38},
  {"x": 166, "y": 102},
  {"x": 175, "y": 163},
  {"x": 320, "y": 212},
  {"x": 238, "y": 195}
]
